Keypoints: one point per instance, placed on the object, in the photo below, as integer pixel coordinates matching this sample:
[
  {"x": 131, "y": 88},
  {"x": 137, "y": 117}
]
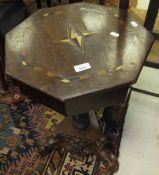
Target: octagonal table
[{"x": 78, "y": 58}]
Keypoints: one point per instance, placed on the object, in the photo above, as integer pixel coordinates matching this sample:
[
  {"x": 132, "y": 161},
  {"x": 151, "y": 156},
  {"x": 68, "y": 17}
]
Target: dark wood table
[{"x": 79, "y": 58}]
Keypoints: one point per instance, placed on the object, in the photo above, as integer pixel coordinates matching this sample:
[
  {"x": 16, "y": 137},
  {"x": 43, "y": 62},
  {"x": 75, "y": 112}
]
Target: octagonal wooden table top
[{"x": 77, "y": 49}]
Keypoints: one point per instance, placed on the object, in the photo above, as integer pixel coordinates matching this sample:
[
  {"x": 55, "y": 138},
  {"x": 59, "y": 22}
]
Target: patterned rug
[
  {"x": 62, "y": 163},
  {"x": 22, "y": 124},
  {"x": 18, "y": 152}
]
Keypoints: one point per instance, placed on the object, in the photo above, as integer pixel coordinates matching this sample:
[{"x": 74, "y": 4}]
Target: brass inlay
[
  {"x": 86, "y": 33},
  {"x": 116, "y": 15},
  {"x": 61, "y": 78},
  {"x": 79, "y": 40},
  {"x": 101, "y": 72},
  {"x": 119, "y": 67},
  {"x": 77, "y": 36},
  {"x": 65, "y": 81},
  {"x": 24, "y": 63},
  {"x": 67, "y": 41},
  {"x": 45, "y": 14},
  {"x": 50, "y": 74},
  {"x": 84, "y": 76}
]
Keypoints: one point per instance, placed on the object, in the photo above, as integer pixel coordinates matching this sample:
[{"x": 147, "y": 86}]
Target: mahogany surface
[{"x": 42, "y": 51}]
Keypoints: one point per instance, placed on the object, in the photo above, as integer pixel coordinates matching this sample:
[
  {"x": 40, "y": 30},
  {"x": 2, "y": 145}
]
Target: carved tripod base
[{"x": 82, "y": 143}]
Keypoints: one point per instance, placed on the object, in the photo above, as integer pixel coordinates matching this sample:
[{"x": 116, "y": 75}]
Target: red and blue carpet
[{"x": 24, "y": 122}]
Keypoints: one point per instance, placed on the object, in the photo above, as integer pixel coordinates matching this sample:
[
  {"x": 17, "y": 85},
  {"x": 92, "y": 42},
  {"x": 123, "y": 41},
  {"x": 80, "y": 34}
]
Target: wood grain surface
[{"x": 42, "y": 51}]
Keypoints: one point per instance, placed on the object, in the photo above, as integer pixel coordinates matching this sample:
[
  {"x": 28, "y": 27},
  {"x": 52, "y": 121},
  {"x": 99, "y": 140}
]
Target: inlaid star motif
[{"x": 77, "y": 36}]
